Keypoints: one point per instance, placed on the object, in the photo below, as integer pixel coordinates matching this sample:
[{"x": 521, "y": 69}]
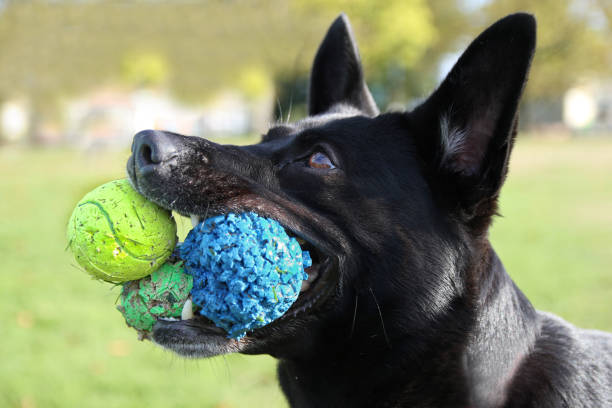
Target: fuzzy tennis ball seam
[{"x": 115, "y": 233}]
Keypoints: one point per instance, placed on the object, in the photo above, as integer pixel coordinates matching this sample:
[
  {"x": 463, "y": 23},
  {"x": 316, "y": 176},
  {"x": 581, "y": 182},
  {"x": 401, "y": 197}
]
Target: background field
[{"x": 63, "y": 345}]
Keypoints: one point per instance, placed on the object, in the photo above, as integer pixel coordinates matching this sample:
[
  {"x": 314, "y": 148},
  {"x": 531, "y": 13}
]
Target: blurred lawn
[
  {"x": 555, "y": 233},
  {"x": 62, "y": 345}
]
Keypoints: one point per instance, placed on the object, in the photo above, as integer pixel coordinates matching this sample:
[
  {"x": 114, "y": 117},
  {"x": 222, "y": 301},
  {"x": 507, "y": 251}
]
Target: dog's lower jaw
[{"x": 191, "y": 341}]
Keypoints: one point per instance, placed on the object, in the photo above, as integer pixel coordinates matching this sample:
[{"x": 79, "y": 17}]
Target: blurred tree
[
  {"x": 574, "y": 42},
  {"x": 65, "y": 46},
  {"x": 393, "y": 38},
  {"x": 254, "y": 82},
  {"x": 52, "y": 49},
  {"x": 606, "y": 8},
  {"x": 400, "y": 41},
  {"x": 57, "y": 48},
  {"x": 144, "y": 69}
]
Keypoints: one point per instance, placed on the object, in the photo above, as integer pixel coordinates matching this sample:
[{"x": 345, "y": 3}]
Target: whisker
[
  {"x": 381, "y": 318},
  {"x": 290, "y": 107},
  {"x": 280, "y": 110},
  {"x": 206, "y": 212},
  {"x": 354, "y": 315},
  {"x": 227, "y": 369}
]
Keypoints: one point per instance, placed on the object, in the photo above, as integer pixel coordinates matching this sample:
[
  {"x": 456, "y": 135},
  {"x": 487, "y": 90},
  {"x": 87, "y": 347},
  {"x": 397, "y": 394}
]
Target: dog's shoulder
[
  {"x": 590, "y": 345},
  {"x": 567, "y": 367}
]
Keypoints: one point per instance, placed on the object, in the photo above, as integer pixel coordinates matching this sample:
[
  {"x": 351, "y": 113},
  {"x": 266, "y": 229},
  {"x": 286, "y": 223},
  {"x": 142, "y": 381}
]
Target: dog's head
[{"x": 393, "y": 207}]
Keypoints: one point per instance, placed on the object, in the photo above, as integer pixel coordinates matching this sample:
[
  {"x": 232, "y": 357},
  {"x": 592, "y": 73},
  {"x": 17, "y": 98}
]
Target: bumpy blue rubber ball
[{"x": 246, "y": 270}]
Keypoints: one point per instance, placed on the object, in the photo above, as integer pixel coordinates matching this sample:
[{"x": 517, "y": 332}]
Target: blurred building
[
  {"x": 14, "y": 120},
  {"x": 588, "y": 107},
  {"x": 108, "y": 117}
]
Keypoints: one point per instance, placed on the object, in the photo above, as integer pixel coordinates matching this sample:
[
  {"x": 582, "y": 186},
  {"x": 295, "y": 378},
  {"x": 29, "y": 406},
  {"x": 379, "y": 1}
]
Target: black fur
[{"x": 412, "y": 307}]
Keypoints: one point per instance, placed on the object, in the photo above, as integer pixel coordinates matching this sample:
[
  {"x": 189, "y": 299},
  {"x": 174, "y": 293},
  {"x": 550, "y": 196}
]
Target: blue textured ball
[{"x": 246, "y": 270}]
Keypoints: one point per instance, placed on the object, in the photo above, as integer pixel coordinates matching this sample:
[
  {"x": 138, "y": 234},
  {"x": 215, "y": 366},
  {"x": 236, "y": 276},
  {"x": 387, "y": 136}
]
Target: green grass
[
  {"x": 63, "y": 345},
  {"x": 555, "y": 233}
]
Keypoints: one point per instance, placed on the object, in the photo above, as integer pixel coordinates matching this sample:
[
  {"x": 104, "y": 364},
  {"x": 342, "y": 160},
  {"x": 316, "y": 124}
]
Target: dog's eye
[{"x": 320, "y": 161}]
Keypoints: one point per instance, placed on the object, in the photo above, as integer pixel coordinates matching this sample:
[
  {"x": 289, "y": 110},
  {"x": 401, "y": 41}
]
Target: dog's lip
[{"x": 319, "y": 290}]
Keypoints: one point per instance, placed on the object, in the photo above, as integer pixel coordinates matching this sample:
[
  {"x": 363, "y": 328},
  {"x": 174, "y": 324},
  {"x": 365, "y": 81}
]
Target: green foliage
[
  {"x": 393, "y": 39},
  {"x": 397, "y": 33},
  {"x": 61, "y": 48},
  {"x": 58, "y": 48},
  {"x": 54, "y": 48},
  {"x": 574, "y": 42},
  {"x": 144, "y": 69},
  {"x": 254, "y": 82}
]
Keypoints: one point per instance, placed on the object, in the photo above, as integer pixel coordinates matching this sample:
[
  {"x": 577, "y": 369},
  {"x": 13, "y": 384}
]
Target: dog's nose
[{"x": 153, "y": 148}]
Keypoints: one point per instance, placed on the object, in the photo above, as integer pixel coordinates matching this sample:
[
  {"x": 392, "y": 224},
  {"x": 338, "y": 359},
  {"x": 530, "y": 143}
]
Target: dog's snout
[{"x": 153, "y": 148}]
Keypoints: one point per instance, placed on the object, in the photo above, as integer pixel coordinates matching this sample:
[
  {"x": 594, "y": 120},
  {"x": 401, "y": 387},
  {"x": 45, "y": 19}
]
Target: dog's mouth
[{"x": 194, "y": 335}]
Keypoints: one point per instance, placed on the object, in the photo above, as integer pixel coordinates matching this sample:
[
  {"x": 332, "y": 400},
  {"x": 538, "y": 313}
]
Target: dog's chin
[{"x": 195, "y": 338}]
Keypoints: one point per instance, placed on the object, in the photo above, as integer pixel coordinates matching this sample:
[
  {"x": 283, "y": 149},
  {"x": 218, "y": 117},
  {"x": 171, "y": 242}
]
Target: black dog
[{"x": 407, "y": 304}]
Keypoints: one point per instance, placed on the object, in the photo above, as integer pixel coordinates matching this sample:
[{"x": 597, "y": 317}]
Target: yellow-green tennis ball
[{"x": 117, "y": 235}]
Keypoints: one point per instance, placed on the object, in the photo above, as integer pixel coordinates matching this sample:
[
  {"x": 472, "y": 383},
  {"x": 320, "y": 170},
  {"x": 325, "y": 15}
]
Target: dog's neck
[
  {"x": 505, "y": 329},
  {"x": 448, "y": 369}
]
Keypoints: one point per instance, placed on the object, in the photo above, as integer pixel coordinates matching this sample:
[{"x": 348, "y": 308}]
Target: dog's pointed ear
[
  {"x": 465, "y": 130},
  {"x": 337, "y": 74}
]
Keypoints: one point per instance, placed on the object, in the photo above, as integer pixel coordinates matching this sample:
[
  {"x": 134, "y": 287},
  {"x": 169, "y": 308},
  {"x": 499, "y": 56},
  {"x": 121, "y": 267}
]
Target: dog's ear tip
[
  {"x": 523, "y": 17},
  {"x": 527, "y": 19},
  {"x": 522, "y": 24},
  {"x": 342, "y": 19},
  {"x": 342, "y": 25}
]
